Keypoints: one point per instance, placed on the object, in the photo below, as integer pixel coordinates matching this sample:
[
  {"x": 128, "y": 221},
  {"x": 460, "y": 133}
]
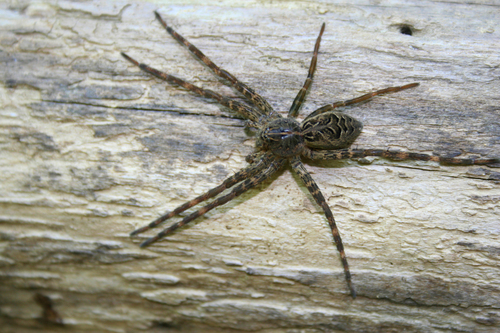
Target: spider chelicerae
[{"x": 325, "y": 134}]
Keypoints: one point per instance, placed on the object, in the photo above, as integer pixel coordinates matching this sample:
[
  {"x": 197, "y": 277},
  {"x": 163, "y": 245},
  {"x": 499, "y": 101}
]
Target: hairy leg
[
  {"x": 313, "y": 188},
  {"x": 394, "y": 155},
  {"x": 248, "y": 92},
  {"x": 255, "y": 180},
  {"x": 299, "y": 99},
  {"x": 360, "y": 99},
  {"x": 245, "y": 173},
  {"x": 241, "y": 108}
]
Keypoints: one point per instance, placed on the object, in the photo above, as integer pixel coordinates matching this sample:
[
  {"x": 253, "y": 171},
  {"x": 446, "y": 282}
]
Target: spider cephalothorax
[
  {"x": 324, "y": 134},
  {"x": 283, "y": 137},
  {"x": 286, "y": 137}
]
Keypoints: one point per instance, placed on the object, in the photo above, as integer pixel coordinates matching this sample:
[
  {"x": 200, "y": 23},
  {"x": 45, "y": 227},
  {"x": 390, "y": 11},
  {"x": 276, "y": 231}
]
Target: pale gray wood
[{"x": 93, "y": 148}]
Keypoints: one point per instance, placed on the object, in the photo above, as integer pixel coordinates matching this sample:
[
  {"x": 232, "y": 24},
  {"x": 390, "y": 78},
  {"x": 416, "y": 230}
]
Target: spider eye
[{"x": 281, "y": 133}]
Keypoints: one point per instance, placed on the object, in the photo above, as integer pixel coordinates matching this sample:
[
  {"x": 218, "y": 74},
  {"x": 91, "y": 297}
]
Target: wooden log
[{"x": 93, "y": 148}]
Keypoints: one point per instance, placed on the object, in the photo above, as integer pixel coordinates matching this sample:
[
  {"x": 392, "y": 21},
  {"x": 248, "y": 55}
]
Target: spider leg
[
  {"x": 241, "y": 108},
  {"x": 242, "y": 174},
  {"x": 313, "y": 188},
  {"x": 256, "y": 179},
  {"x": 248, "y": 92},
  {"x": 299, "y": 99},
  {"x": 362, "y": 98},
  {"x": 394, "y": 155}
]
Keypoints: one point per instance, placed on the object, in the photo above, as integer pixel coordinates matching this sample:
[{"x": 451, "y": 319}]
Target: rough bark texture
[{"x": 92, "y": 148}]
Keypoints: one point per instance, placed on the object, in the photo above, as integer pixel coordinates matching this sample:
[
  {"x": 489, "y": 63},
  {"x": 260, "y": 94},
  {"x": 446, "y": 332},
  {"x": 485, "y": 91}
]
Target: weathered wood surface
[{"x": 93, "y": 148}]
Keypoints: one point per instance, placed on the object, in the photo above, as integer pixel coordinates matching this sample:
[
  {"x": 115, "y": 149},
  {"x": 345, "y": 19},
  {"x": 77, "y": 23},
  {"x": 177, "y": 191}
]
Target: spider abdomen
[
  {"x": 330, "y": 130},
  {"x": 282, "y": 137}
]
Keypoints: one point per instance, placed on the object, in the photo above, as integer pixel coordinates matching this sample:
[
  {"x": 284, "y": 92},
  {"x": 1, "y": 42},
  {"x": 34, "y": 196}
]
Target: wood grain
[{"x": 93, "y": 148}]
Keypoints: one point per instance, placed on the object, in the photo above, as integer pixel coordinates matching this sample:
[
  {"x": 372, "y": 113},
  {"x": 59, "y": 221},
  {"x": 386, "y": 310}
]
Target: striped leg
[
  {"x": 241, "y": 108},
  {"x": 364, "y": 98},
  {"x": 394, "y": 155},
  {"x": 248, "y": 92},
  {"x": 271, "y": 168},
  {"x": 320, "y": 200},
  {"x": 299, "y": 99},
  {"x": 245, "y": 173}
]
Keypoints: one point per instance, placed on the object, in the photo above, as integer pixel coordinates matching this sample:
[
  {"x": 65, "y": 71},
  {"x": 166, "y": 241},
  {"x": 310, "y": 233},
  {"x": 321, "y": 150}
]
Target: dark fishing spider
[{"x": 323, "y": 135}]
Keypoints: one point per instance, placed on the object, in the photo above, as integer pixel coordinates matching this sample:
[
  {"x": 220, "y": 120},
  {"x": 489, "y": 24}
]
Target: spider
[{"x": 325, "y": 134}]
